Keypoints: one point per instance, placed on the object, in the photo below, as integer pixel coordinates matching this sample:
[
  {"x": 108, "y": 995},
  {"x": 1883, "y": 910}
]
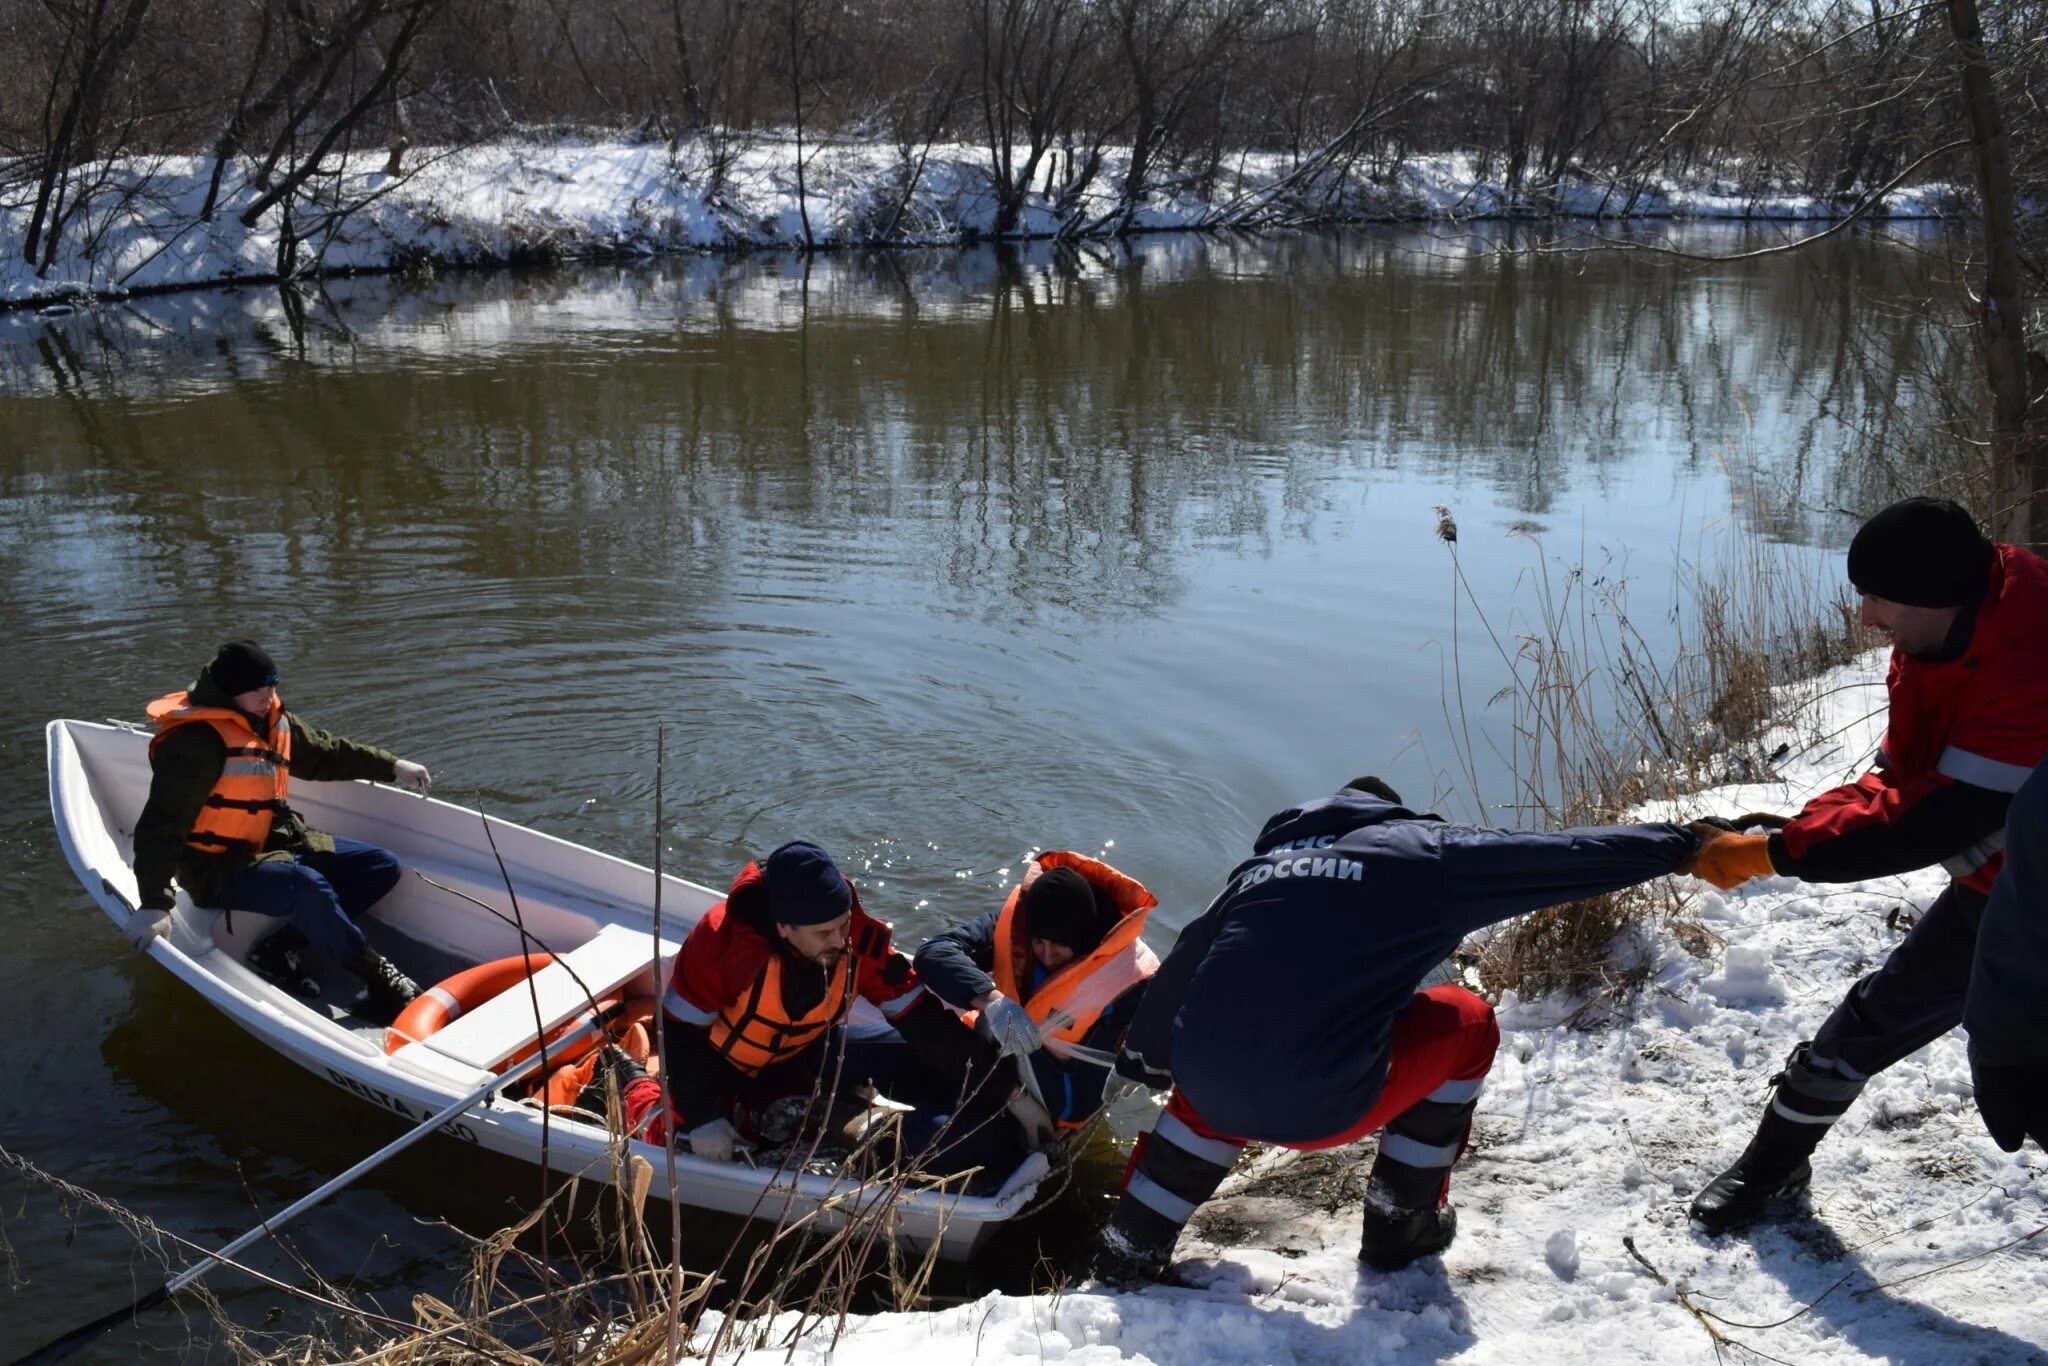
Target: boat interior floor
[{"x": 341, "y": 990}]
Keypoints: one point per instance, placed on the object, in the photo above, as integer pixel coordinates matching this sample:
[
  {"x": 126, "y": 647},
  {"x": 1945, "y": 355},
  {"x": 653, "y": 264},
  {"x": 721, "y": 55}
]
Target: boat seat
[{"x": 490, "y": 1033}]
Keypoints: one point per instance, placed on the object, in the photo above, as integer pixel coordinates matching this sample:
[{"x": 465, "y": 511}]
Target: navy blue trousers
[
  {"x": 323, "y": 894},
  {"x": 1915, "y": 996},
  {"x": 947, "y": 1132}
]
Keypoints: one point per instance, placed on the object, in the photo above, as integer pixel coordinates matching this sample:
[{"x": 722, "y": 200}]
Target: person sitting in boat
[
  {"x": 221, "y": 764},
  {"x": 754, "y": 1010},
  {"x": 1054, "y": 977}
]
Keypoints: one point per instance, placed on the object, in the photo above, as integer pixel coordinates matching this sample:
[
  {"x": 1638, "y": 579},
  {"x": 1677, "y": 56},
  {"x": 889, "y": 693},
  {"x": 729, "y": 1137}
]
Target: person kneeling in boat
[
  {"x": 1054, "y": 977},
  {"x": 221, "y": 763},
  {"x": 755, "y": 1012},
  {"x": 1290, "y": 1013}
]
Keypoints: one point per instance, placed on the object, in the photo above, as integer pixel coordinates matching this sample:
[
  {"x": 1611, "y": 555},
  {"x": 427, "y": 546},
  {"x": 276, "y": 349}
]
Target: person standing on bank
[
  {"x": 1292, "y": 1012},
  {"x": 217, "y": 819},
  {"x": 1967, "y": 723},
  {"x": 2008, "y": 1030}
]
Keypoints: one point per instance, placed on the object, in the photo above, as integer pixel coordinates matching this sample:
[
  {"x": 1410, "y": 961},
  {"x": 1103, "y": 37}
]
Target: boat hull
[{"x": 566, "y": 893}]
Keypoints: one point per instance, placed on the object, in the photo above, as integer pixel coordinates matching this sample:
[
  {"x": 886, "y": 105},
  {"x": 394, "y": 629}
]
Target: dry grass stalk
[{"x": 1601, "y": 725}]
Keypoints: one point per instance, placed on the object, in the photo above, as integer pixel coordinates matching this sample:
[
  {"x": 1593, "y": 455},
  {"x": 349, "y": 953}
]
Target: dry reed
[{"x": 1600, "y": 725}]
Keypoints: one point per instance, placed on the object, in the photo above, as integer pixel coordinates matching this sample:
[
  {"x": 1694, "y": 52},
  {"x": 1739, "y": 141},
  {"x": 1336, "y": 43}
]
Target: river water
[{"x": 933, "y": 559}]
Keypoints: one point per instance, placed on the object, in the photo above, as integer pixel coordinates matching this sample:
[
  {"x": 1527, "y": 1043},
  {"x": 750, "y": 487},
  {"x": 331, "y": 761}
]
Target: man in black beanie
[
  {"x": 1054, "y": 976},
  {"x": 225, "y": 753},
  {"x": 1968, "y": 721},
  {"x": 756, "y": 1011}
]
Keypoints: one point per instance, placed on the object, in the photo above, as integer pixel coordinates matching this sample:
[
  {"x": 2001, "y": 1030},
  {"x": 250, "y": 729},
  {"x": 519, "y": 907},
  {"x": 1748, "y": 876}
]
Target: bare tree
[
  {"x": 2019, "y": 436},
  {"x": 806, "y": 31},
  {"x": 1032, "y": 58},
  {"x": 96, "y": 37},
  {"x": 1168, "y": 52}
]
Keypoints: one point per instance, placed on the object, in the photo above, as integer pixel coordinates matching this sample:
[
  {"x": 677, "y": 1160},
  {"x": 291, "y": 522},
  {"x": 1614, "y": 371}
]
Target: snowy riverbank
[
  {"x": 522, "y": 200},
  {"x": 1919, "y": 1245}
]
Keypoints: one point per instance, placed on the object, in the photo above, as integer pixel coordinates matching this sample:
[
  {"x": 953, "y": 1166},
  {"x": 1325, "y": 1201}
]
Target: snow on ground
[
  {"x": 1587, "y": 1139},
  {"x": 516, "y": 199}
]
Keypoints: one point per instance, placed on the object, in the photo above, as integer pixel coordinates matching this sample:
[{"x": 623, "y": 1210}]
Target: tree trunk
[{"x": 2019, "y": 454}]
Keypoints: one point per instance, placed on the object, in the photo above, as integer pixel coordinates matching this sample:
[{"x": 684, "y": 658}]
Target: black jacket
[
  {"x": 2007, "y": 1009},
  {"x": 1275, "y": 1009}
]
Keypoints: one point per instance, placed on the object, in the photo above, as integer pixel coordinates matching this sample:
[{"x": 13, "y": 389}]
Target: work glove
[
  {"x": 1761, "y": 820},
  {"x": 714, "y": 1142},
  {"x": 2014, "y": 1103},
  {"x": 1118, "y": 1087},
  {"x": 1009, "y": 1027},
  {"x": 1036, "y": 1121},
  {"x": 411, "y": 776},
  {"x": 1727, "y": 860},
  {"x": 146, "y": 925}
]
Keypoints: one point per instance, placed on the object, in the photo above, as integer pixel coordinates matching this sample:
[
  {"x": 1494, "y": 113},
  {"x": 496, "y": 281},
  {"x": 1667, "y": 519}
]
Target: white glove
[
  {"x": 411, "y": 776},
  {"x": 1119, "y": 1088},
  {"x": 715, "y": 1141},
  {"x": 145, "y": 926},
  {"x": 1009, "y": 1027},
  {"x": 1039, "y": 1130}
]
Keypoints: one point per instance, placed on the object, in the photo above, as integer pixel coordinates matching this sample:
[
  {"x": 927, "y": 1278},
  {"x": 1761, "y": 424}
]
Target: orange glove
[{"x": 1730, "y": 860}]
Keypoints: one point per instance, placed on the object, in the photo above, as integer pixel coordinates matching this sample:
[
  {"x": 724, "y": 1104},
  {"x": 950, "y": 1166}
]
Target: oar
[{"x": 58, "y": 1348}]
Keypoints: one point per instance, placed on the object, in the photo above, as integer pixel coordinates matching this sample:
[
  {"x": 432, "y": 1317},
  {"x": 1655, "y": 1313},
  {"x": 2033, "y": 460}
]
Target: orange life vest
[
  {"x": 755, "y": 1032},
  {"x": 1069, "y": 1002},
  {"x": 250, "y": 793}
]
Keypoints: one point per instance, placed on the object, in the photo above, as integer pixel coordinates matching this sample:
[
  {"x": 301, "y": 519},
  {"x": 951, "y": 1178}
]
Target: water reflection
[{"x": 931, "y": 558}]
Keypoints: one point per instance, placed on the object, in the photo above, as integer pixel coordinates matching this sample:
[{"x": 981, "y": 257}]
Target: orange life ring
[{"x": 433, "y": 1009}]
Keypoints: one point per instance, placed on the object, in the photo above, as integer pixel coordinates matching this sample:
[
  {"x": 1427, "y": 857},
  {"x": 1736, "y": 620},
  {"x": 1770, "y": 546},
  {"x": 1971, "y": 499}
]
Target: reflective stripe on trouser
[
  {"x": 1444, "y": 1044},
  {"x": 1172, "y": 1171},
  {"x": 1419, "y": 1146},
  {"x": 1915, "y": 996},
  {"x": 1814, "y": 1090}
]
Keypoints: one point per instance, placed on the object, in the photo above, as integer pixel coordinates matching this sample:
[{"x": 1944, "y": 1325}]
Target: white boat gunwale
[{"x": 94, "y": 842}]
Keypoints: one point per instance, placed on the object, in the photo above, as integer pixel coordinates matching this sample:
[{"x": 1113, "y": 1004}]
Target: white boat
[{"x": 595, "y": 910}]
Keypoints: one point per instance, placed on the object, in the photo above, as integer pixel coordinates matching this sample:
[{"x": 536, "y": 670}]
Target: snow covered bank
[
  {"x": 509, "y": 201},
  {"x": 1918, "y": 1246}
]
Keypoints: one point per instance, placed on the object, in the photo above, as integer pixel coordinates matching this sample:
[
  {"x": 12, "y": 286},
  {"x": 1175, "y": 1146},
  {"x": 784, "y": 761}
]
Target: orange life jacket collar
[{"x": 1069, "y": 1002}]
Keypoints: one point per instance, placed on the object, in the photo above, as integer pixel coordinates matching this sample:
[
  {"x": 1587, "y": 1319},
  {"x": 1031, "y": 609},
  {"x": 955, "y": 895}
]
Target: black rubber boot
[
  {"x": 1174, "y": 1170},
  {"x": 1806, "y": 1100},
  {"x": 389, "y": 991},
  {"x": 280, "y": 960},
  {"x": 1394, "y": 1238},
  {"x": 615, "y": 1071},
  {"x": 1126, "y": 1259},
  {"x": 1772, "y": 1167}
]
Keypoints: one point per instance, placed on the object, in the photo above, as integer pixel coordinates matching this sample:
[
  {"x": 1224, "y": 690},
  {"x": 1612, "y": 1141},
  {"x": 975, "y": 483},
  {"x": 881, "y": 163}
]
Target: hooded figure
[{"x": 1290, "y": 1011}]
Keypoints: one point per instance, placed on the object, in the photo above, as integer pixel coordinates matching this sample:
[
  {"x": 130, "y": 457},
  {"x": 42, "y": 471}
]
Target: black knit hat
[
  {"x": 242, "y": 666},
  {"x": 1060, "y": 905},
  {"x": 805, "y": 887},
  {"x": 1377, "y": 787},
  {"x": 1923, "y": 552}
]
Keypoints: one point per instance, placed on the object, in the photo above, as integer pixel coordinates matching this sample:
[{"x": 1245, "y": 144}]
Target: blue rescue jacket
[
  {"x": 956, "y": 965},
  {"x": 1275, "y": 1009}
]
